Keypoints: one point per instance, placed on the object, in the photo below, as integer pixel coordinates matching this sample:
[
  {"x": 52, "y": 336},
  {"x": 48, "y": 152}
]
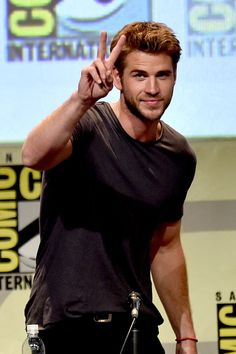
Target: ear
[{"x": 116, "y": 79}]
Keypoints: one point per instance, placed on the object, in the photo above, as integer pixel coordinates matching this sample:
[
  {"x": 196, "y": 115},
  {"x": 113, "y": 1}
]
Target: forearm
[{"x": 46, "y": 143}]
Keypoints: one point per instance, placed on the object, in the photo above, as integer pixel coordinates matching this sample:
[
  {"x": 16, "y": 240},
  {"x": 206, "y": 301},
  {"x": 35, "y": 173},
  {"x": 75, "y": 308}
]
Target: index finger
[{"x": 116, "y": 51}]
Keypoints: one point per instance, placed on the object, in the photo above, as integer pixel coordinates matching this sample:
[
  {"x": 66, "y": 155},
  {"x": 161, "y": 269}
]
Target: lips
[{"x": 151, "y": 102}]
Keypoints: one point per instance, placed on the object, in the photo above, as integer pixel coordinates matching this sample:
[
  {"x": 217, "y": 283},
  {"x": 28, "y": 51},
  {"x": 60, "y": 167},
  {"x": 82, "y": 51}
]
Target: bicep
[
  {"x": 167, "y": 257},
  {"x": 165, "y": 237},
  {"x": 54, "y": 158},
  {"x": 60, "y": 156}
]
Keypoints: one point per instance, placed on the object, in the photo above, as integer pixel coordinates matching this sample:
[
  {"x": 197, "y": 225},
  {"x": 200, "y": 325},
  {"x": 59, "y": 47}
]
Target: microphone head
[
  {"x": 134, "y": 296},
  {"x": 135, "y": 303}
]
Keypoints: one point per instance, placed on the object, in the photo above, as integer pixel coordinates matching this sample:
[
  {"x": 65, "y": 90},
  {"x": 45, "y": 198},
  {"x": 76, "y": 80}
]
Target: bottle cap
[{"x": 32, "y": 328}]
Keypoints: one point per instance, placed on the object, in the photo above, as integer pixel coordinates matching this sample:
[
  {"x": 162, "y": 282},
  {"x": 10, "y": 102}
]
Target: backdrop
[
  {"x": 208, "y": 235},
  {"x": 45, "y": 43}
]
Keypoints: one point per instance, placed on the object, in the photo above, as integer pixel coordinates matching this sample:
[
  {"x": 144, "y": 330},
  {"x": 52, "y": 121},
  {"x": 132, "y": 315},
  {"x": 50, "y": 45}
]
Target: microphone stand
[
  {"x": 135, "y": 340},
  {"x": 135, "y": 303}
]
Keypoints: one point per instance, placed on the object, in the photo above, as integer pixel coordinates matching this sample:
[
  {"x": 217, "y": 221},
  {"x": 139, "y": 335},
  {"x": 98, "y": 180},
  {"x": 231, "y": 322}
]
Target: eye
[
  {"x": 163, "y": 74},
  {"x": 139, "y": 75}
]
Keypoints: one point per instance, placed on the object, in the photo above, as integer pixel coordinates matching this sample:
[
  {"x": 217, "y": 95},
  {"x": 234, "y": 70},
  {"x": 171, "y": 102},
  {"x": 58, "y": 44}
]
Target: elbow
[{"x": 28, "y": 158}]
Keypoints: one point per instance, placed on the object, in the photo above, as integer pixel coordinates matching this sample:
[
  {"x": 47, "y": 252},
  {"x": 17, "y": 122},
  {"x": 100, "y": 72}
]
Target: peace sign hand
[{"x": 96, "y": 79}]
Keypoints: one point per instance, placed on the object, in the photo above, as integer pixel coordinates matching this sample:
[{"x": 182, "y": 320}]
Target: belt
[
  {"x": 103, "y": 318},
  {"x": 143, "y": 322}
]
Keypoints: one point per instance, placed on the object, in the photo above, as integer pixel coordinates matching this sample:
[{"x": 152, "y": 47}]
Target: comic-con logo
[
  {"x": 20, "y": 189},
  {"x": 65, "y": 29},
  {"x": 211, "y": 27},
  {"x": 44, "y": 18},
  {"x": 226, "y": 315}
]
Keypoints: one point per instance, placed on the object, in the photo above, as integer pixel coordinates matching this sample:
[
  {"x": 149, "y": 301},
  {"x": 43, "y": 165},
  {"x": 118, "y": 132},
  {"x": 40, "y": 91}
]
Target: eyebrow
[{"x": 140, "y": 71}]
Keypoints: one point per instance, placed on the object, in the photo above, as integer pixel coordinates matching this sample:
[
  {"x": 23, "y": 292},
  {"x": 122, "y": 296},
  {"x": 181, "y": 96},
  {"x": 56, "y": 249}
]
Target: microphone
[{"x": 135, "y": 302}]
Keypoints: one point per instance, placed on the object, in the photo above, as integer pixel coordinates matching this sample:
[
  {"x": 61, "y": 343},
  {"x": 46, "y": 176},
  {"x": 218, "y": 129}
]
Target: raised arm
[
  {"x": 49, "y": 142},
  {"x": 170, "y": 279}
]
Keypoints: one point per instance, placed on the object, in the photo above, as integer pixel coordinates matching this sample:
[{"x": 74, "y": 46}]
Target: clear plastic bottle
[{"x": 33, "y": 344}]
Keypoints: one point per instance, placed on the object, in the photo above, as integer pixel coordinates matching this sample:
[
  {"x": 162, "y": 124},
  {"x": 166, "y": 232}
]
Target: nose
[{"x": 152, "y": 86}]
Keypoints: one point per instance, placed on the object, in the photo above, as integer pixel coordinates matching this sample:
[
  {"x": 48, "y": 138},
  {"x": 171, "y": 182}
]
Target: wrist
[
  {"x": 183, "y": 339},
  {"x": 81, "y": 102},
  {"x": 84, "y": 102}
]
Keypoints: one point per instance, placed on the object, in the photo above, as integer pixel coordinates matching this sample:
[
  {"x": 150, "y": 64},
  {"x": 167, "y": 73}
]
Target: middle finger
[{"x": 102, "y": 46}]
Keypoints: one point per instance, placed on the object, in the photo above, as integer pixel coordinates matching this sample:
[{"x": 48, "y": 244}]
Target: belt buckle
[{"x": 100, "y": 319}]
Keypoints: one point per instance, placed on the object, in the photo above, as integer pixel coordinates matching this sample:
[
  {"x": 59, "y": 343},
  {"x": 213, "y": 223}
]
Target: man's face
[{"x": 146, "y": 84}]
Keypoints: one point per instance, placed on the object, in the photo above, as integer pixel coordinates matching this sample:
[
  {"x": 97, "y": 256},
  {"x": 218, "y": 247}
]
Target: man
[{"x": 115, "y": 181}]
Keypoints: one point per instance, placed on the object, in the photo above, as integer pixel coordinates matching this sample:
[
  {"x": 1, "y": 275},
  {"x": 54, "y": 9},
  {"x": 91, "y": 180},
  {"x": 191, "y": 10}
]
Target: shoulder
[
  {"x": 98, "y": 121},
  {"x": 100, "y": 109},
  {"x": 93, "y": 117},
  {"x": 176, "y": 142}
]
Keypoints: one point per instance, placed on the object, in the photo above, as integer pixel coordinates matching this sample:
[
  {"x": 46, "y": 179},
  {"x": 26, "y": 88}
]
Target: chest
[{"x": 149, "y": 174}]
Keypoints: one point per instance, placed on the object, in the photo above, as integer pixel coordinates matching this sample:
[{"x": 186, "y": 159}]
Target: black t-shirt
[{"x": 99, "y": 209}]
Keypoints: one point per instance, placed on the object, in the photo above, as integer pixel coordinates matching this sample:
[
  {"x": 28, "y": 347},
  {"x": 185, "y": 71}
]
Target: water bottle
[{"x": 33, "y": 344}]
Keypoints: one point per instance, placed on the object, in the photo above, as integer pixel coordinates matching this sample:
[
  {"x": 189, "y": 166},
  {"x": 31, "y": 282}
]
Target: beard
[{"x": 136, "y": 112}]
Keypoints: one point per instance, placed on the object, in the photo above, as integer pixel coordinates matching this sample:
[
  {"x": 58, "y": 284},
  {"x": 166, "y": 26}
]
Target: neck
[{"x": 141, "y": 130}]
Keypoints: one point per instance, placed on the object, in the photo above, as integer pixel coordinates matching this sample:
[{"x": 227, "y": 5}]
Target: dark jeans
[{"x": 85, "y": 336}]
